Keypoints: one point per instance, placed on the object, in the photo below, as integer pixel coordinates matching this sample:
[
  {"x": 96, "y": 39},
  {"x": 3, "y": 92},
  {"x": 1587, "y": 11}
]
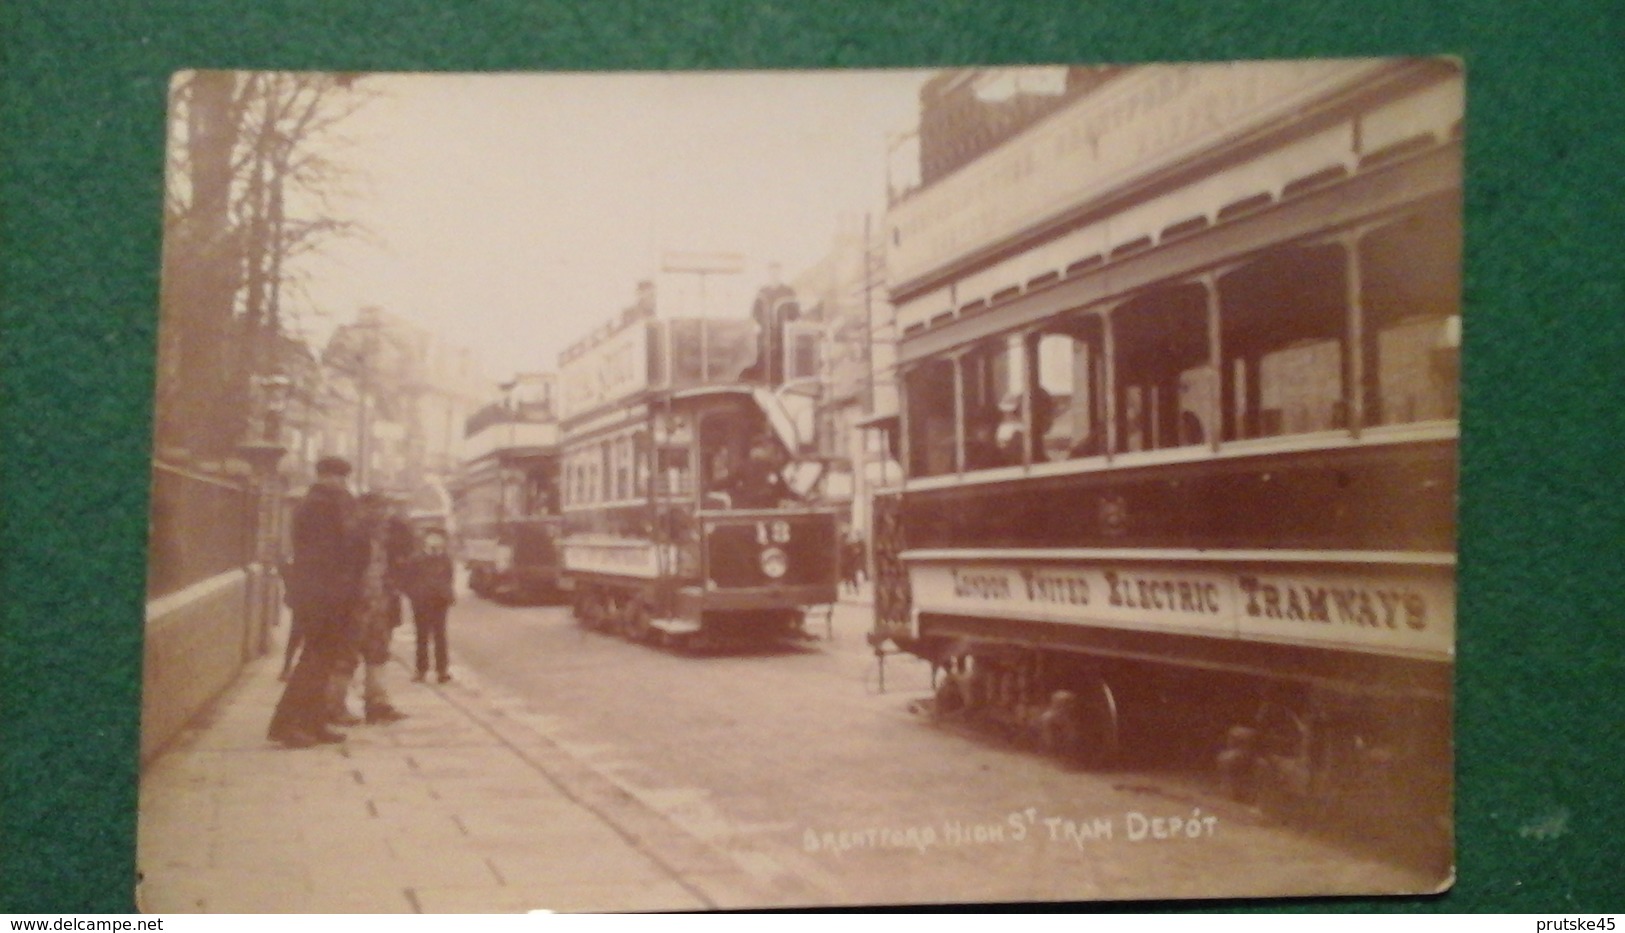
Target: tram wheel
[
  {"x": 950, "y": 697},
  {"x": 1082, "y": 725},
  {"x": 1283, "y": 774},
  {"x": 579, "y": 607},
  {"x": 591, "y": 611},
  {"x": 635, "y": 625}
]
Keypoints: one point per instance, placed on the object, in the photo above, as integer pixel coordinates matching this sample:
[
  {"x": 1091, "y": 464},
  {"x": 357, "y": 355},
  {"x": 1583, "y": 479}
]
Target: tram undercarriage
[
  {"x": 1362, "y": 760},
  {"x": 633, "y": 614}
]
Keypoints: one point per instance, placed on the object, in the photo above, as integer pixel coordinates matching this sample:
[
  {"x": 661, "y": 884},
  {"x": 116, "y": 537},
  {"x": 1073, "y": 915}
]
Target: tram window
[
  {"x": 1411, "y": 299},
  {"x": 992, "y": 405},
  {"x": 623, "y": 467},
  {"x": 1164, "y": 376},
  {"x": 1283, "y": 319},
  {"x": 929, "y": 395},
  {"x": 675, "y": 479},
  {"x": 535, "y": 491},
  {"x": 640, "y": 465},
  {"x": 722, "y": 440},
  {"x": 1067, "y": 375}
]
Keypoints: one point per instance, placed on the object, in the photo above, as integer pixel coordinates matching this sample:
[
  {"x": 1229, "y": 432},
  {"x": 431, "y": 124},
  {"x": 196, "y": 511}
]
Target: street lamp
[{"x": 262, "y": 453}]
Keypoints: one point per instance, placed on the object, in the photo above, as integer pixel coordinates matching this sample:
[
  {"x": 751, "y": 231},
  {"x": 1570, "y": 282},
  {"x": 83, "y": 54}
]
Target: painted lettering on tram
[
  {"x": 981, "y": 585},
  {"x": 1047, "y": 586},
  {"x": 1364, "y": 607},
  {"x": 1167, "y": 594}
]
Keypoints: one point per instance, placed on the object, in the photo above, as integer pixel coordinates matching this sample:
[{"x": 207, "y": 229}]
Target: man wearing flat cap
[{"x": 329, "y": 555}]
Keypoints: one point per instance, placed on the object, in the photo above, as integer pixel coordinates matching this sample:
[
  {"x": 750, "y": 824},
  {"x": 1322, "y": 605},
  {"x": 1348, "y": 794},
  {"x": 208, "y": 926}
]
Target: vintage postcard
[{"x": 709, "y": 491}]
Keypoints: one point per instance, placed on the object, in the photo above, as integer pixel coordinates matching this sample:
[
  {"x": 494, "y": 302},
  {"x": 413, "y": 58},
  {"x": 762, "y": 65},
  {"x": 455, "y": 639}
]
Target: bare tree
[{"x": 250, "y": 188}]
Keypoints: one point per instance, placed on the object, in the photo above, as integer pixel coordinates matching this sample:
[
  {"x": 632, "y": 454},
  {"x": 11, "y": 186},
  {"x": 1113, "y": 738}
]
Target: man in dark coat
[
  {"x": 328, "y": 558},
  {"x": 758, "y": 482}
]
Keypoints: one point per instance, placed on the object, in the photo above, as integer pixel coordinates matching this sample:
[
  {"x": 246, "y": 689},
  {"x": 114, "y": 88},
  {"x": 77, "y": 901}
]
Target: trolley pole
[{"x": 262, "y": 454}]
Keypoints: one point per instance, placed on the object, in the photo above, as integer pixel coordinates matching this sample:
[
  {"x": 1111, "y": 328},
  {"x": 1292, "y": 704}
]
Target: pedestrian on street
[
  {"x": 323, "y": 587},
  {"x": 387, "y": 544},
  {"x": 427, "y": 582}
]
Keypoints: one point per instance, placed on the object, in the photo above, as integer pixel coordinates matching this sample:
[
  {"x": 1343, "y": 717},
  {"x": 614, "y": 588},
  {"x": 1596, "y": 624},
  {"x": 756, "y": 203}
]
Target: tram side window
[
  {"x": 1411, "y": 297},
  {"x": 1164, "y": 375},
  {"x": 1284, "y": 319},
  {"x": 929, "y": 395},
  {"x": 992, "y": 409},
  {"x": 547, "y": 488},
  {"x": 640, "y": 464},
  {"x": 622, "y": 452},
  {"x": 675, "y": 477},
  {"x": 1068, "y": 404}
]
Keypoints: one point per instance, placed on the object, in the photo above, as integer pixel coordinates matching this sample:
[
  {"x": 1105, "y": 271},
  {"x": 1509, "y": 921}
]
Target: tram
[
  {"x": 690, "y": 499},
  {"x": 506, "y": 496},
  {"x": 1178, "y": 365}
]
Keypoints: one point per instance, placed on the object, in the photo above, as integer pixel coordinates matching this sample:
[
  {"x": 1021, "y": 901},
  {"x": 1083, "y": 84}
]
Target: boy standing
[{"x": 427, "y": 580}]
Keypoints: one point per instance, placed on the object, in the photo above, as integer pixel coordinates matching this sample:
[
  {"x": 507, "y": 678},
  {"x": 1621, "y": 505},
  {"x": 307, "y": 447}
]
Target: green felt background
[{"x": 1542, "y": 826}]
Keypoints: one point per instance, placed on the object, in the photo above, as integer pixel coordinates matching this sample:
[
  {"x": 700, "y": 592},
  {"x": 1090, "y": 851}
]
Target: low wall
[{"x": 196, "y": 644}]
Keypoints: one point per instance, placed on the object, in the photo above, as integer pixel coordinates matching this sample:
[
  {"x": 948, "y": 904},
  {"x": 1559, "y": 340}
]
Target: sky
[{"x": 515, "y": 213}]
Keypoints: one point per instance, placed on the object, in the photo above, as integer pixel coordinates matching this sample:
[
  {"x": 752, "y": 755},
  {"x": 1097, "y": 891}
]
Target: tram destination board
[{"x": 1029, "y": 484}]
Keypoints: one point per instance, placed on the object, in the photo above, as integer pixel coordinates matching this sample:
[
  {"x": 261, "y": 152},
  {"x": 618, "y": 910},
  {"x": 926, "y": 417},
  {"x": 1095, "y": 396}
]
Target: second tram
[{"x": 507, "y": 496}]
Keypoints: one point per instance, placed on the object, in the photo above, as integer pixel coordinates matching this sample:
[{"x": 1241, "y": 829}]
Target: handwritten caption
[{"x": 1021, "y": 827}]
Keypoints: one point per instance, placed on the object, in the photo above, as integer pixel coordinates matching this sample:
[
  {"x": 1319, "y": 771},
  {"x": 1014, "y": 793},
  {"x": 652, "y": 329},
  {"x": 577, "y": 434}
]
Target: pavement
[{"x": 462, "y": 807}]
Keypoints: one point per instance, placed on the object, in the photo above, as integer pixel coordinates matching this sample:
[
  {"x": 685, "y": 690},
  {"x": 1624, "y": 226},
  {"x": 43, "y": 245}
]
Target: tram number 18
[{"x": 773, "y": 532}]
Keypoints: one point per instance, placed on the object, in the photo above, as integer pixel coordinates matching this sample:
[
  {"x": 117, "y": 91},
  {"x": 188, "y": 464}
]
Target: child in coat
[{"x": 427, "y": 581}]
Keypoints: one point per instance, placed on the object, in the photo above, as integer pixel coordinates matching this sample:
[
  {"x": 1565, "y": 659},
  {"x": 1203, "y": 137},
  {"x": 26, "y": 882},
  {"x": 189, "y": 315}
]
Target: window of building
[
  {"x": 1283, "y": 323},
  {"x": 802, "y": 356}
]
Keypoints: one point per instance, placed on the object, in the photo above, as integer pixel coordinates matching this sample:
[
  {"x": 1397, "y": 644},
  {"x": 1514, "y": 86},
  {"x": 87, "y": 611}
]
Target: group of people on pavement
[{"x": 353, "y": 561}]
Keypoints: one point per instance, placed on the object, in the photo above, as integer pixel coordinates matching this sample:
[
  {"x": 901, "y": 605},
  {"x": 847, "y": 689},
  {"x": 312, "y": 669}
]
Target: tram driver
[{"x": 758, "y": 482}]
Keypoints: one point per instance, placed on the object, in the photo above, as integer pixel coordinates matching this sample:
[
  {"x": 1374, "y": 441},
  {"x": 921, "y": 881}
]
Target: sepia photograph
[{"x": 702, "y": 491}]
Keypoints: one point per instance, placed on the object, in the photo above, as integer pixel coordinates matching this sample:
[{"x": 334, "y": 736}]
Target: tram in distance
[
  {"x": 506, "y": 496},
  {"x": 1180, "y": 464},
  {"x": 689, "y": 500}
]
